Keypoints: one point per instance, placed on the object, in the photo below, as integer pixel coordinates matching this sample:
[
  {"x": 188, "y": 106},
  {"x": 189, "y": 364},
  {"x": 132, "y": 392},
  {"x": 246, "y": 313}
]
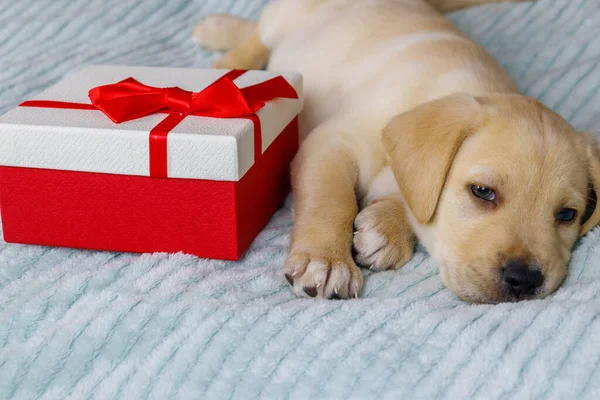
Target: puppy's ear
[
  {"x": 593, "y": 157},
  {"x": 421, "y": 145}
]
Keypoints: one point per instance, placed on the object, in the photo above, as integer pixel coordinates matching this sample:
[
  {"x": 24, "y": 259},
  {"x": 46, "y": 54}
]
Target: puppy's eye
[
  {"x": 483, "y": 193},
  {"x": 566, "y": 215}
]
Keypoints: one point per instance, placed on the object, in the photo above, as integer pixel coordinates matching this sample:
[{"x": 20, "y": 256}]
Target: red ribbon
[{"x": 129, "y": 99}]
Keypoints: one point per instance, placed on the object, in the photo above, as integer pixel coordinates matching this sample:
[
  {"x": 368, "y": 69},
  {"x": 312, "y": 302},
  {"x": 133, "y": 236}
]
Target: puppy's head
[{"x": 497, "y": 190}]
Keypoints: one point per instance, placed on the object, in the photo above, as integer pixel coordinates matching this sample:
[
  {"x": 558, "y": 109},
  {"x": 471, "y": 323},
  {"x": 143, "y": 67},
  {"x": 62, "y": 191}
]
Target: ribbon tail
[
  {"x": 57, "y": 104},
  {"x": 158, "y": 145},
  {"x": 257, "y": 95},
  {"x": 257, "y": 135}
]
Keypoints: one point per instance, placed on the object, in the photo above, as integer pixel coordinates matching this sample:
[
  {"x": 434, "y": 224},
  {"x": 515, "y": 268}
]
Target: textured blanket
[{"x": 96, "y": 325}]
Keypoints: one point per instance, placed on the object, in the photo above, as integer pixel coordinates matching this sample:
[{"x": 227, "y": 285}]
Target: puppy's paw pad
[
  {"x": 322, "y": 277},
  {"x": 379, "y": 243}
]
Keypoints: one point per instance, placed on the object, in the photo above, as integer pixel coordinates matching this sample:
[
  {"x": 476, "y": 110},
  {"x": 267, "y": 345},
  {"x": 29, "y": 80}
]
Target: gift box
[{"x": 141, "y": 159}]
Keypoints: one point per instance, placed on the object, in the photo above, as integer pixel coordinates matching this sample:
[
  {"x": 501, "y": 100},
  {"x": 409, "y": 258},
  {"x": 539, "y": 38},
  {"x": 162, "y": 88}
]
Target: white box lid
[{"x": 87, "y": 140}]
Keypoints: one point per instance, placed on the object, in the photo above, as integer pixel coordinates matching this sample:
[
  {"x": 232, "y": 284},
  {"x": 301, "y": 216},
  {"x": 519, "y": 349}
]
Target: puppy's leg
[
  {"x": 239, "y": 36},
  {"x": 223, "y": 32},
  {"x": 384, "y": 238},
  {"x": 445, "y": 6},
  {"x": 250, "y": 43},
  {"x": 324, "y": 174},
  {"x": 251, "y": 54}
]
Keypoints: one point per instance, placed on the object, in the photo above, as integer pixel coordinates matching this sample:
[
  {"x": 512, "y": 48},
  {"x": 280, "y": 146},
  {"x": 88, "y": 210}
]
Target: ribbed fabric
[{"x": 92, "y": 325}]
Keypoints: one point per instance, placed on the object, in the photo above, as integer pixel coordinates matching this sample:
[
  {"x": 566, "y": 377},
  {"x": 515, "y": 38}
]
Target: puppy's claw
[{"x": 290, "y": 279}]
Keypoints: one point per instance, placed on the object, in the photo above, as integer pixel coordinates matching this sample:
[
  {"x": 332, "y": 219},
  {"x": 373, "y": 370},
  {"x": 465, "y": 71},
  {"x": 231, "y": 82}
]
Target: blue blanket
[{"x": 97, "y": 325}]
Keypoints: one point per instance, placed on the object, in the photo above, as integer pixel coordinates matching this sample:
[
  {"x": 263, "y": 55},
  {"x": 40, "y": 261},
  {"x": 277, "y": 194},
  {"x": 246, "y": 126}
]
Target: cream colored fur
[{"x": 451, "y": 118}]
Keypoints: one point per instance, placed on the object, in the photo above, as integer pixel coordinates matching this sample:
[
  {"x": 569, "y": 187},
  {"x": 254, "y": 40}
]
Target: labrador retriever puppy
[{"x": 412, "y": 131}]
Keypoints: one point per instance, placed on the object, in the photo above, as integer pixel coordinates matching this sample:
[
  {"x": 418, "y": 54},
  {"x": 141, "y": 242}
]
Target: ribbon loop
[{"x": 130, "y": 99}]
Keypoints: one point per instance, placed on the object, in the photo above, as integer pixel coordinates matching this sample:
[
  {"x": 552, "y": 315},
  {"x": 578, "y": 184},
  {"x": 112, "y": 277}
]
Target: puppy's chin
[
  {"x": 474, "y": 293},
  {"x": 474, "y": 297},
  {"x": 466, "y": 290}
]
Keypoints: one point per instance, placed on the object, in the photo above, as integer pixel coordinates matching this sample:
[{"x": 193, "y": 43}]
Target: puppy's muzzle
[{"x": 520, "y": 280}]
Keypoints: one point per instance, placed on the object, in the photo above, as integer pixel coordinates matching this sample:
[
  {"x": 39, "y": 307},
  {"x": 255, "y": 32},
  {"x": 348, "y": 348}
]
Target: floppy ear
[
  {"x": 421, "y": 145},
  {"x": 593, "y": 157}
]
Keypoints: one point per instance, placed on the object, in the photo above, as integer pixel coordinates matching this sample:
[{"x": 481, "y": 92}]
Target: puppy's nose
[{"x": 520, "y": 280}]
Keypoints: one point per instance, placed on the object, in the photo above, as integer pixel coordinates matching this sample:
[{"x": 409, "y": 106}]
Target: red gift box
[{"x": 143, "y": 159}]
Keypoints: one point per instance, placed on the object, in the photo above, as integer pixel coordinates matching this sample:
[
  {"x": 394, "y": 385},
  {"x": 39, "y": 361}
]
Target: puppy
[{"x": 409, "y": 119}]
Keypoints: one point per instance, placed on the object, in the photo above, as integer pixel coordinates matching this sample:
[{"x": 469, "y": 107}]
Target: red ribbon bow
[{"x": 129, "y": 99}]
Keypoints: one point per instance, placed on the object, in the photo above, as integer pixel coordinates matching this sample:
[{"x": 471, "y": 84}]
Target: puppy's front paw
[
  {"x": 383, "y": 238},
  {"x": 325, "y": 277}
]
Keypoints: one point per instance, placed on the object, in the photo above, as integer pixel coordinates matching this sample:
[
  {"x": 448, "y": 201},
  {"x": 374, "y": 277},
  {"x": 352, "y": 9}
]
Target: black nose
[{"x": 521, "y": 280}]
